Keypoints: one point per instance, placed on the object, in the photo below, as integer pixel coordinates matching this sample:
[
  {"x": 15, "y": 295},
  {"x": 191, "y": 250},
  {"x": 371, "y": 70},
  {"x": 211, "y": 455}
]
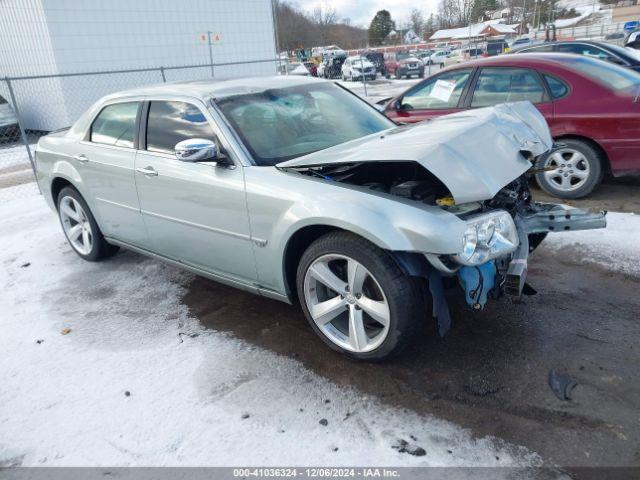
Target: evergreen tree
[{"x": 380, "y": 27}]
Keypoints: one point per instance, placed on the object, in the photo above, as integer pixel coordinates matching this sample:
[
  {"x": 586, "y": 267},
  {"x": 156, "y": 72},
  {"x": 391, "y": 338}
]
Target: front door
[
  {"x": 195, "y": 213},
  {"x": 434, "y": 97}
]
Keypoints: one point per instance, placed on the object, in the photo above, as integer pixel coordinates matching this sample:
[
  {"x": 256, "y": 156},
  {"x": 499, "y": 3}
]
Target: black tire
[
  {"x": 591, "y": 156},
  {"x": 404, "y": 294},
  {"x": 100, "y": 249}
]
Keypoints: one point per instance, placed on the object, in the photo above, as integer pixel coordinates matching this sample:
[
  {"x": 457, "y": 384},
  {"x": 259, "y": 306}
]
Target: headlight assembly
[{"x": 486, "y": 237}]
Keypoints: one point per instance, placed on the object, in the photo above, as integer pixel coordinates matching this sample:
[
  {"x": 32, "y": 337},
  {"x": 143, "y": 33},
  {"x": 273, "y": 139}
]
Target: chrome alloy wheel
[
  {"x": 571, "y": 169},
  {"x": 346, "y": 303},
  {"x": 76, "y": 225}
]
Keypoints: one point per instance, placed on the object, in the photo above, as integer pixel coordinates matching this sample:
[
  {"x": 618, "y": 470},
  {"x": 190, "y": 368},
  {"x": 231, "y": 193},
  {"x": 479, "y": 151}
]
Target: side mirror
[
  {"x": 398, "y": 105},
  {"x": 196, "y": 150}
]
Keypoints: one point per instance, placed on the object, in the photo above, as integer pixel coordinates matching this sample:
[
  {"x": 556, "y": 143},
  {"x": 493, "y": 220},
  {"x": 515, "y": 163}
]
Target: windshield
[
  {"x": 280, "y": 124},
  {"x": 605, "y": 73},
  {"x": 402, "y": 55}
]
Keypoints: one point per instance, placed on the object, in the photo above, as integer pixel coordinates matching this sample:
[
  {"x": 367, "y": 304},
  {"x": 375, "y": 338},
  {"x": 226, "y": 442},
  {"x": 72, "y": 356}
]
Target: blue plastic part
[{"x": 477, "y": 283}]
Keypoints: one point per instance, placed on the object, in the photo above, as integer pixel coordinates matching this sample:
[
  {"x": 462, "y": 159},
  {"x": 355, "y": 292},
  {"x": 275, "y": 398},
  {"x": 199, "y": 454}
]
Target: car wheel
[
  {"x": 356, "y": 298},
  {"x": 80, "y": 227},
  {"x": 576, "y": 170}
]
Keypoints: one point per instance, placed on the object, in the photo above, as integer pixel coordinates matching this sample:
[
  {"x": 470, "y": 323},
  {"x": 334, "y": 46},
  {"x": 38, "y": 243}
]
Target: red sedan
[{"x": 592, "y": 108}]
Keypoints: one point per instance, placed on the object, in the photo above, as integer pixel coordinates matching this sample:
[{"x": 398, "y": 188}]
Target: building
[
  {"x": 475, "y": 31},
  {"x": 51, "y": 37}
]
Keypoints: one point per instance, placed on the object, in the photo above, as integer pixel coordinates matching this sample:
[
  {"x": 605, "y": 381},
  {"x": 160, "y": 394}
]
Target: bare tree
[
  {"x": 416, "y": 22},
  {"x": 324, "y": 17}
]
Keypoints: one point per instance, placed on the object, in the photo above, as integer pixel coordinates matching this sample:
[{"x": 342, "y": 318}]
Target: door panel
[
  {"x": 194, "y": 212},
  {"x": 107, "y": 170},
  {"x": 197, "y": 213}
]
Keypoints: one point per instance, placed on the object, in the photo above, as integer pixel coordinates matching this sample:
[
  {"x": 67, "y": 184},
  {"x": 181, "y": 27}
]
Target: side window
[
  {"x": 500, "y": 85},
  {"x": 171, "y": 122},
  {"x": 584, "y": 49},
  {"x": 542, "y": 48},
  {"x": 441, "y": 92},
  {"x": 558, "y": 88},
  {"x": 115, "y": 125}
]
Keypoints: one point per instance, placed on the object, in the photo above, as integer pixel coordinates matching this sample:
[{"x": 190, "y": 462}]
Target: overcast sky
[{"x": 362, "y": 11}]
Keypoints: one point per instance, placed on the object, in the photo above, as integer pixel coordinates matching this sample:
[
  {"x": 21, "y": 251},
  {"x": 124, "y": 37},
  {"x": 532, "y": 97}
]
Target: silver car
[{"x": 298, "y": 190}]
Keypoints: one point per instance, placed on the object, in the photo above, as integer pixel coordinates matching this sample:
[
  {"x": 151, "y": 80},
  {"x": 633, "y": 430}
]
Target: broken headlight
[{"x": 487, "y": 236}]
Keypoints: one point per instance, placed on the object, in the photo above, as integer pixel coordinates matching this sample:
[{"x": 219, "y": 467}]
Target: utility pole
[{"x": 210, "y": 51}]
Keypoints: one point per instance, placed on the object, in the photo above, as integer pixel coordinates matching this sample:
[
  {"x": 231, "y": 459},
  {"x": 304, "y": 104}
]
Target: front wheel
[
  {"x": 80, "y": 227},
  {"x": 356, "y": 298},
  {"x": 574, "y": 170}
]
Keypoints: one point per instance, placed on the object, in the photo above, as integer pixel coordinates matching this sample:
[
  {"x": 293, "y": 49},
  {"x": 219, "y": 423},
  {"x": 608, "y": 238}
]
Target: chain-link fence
[{"x": 31, "y": 106}]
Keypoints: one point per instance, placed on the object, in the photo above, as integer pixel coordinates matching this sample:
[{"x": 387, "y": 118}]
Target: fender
[{"x": 390, "y": 222}]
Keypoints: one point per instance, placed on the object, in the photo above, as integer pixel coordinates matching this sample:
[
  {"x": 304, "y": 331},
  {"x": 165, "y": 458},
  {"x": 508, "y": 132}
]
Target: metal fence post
[
  {"x": 164, "y": 79},
  {"x": 23, "y": 134}
]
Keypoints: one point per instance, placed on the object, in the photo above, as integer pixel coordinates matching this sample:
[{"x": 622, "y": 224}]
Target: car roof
[
  {"x": 206, "y": 89},
  {"x": 530, "y": 59}
]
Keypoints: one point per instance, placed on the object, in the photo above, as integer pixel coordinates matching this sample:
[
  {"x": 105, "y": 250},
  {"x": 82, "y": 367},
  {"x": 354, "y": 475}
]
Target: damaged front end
[
  {"x": 505, "y": 272},
  {"x": 447, "y": 163}
]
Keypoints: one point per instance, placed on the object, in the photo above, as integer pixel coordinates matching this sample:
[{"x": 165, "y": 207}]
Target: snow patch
[{"x": 615, "y": 248}]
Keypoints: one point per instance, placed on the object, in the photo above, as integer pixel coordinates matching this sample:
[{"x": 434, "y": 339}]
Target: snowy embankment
[{"x": 102, "y": 364}]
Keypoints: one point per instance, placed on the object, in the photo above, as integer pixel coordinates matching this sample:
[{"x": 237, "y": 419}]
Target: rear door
[
  {"x": 195, "y": 213},
  {"x": 434, "y": 97},
  {"x": 494, "y": 85},
  {"x": 105, "y": 160}
]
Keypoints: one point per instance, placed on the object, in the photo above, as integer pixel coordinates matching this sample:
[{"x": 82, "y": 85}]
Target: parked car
[
  {"x": 298, "y": 190},
  {"x": 9, "y": 131},
  {"x": 633, "y": 40},
  {"x": 591, "y": 107},
  {"x": 521, "y": 43},
  {"x": 331, "y": 67},
  {"x": 436, "y": 58},
  {"x": 403, "y": 64},
  {"x": 312, "y": 68},
  {"x": 624, "y": 56},
  {"x": 354, "y": 68},
  {"x": 496, "y": 47},
  {"x": 377, "y": 58}
]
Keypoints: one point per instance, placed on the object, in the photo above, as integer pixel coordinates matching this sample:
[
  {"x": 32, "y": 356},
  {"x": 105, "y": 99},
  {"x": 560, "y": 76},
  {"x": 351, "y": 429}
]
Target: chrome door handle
[
  {"x": 81, "y": 158},
  {"x": 147, "y": 171}
]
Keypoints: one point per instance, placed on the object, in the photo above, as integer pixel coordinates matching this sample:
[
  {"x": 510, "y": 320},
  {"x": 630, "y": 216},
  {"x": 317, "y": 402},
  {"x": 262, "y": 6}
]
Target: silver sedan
[{"x": 298, "y": 190}]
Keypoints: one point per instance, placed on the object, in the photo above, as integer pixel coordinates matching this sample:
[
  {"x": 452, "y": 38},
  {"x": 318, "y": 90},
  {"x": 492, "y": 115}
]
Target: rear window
[{"x": 605, "y": 73}]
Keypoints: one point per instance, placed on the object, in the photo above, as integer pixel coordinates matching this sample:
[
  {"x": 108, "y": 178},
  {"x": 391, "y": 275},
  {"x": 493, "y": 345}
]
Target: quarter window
[
  {"x": 445, "y": 95},
  {"x": 115, "y": 125},
  {"x": 558, "y": 89},
  {"x": 169, "y": 123},
  {"x": 500, "y": 85}
]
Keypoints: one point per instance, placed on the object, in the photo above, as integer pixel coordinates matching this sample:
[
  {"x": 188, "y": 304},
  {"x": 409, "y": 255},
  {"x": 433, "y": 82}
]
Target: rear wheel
[
  {"x": 80, "y": 227},
  {"x": 356, "y": 298},
  {"x": 575, "y": 170}
]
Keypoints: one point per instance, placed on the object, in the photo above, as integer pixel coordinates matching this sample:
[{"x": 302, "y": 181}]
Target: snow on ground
[
  {"x": 616, "y": 248},
  {"x": 64, "y": 398}
]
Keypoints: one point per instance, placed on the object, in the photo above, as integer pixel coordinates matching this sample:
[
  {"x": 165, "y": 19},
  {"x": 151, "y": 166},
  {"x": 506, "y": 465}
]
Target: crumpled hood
[{"x": 474, "y": 153}]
